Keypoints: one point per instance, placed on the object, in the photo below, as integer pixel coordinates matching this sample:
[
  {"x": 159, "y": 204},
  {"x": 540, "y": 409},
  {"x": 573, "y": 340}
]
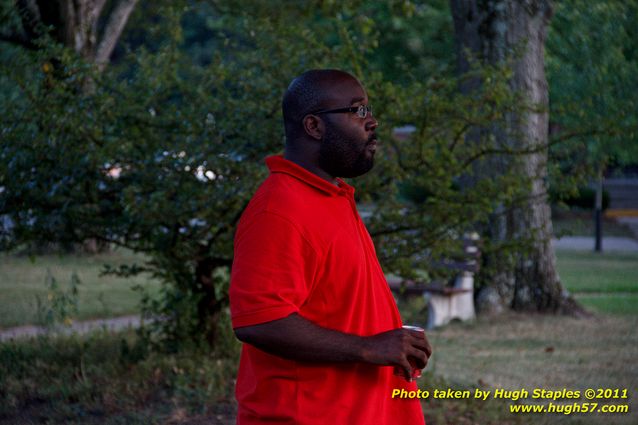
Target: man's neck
[{"x": 303, "y": 161}]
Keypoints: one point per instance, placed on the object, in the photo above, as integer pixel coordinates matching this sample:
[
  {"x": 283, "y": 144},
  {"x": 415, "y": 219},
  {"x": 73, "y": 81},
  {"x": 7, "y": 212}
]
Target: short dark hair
[{"x": 305, "y": 94}]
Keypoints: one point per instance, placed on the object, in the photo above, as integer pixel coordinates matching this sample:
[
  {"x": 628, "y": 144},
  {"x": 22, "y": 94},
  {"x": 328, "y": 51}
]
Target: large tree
[{"x": 512, "y": 33}]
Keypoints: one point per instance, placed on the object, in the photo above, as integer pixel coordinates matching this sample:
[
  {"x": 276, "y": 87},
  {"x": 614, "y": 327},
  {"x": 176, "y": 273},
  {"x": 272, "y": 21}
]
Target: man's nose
[{"x": 372, "y": 122}]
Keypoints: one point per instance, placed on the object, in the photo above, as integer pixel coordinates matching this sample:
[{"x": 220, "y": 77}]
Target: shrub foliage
[{"x": 161, "y": 152}]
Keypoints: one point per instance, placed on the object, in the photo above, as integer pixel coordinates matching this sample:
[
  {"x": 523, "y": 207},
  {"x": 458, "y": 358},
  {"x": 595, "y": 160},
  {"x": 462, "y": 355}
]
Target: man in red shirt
[{"x": 322, "y": 334}]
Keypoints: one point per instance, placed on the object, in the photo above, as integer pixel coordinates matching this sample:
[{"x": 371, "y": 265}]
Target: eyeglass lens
[{"x": 363, "y": 110}]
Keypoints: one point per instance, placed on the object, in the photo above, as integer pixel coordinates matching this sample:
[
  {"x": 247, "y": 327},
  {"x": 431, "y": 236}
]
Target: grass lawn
[
  {"x": 547, "y": 352},
  {"x": 605, "y": 283},
  {"x": 605, "y": 272},
  {"x": 22, "y": 279},
  {"x": 617, "y": 304}
]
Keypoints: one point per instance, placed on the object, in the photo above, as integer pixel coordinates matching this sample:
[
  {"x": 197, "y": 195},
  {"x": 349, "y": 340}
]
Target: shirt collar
[{"x": 278, "y": 164}]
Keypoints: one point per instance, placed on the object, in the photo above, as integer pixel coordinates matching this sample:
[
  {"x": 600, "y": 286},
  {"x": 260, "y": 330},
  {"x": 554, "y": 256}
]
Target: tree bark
[
  {"x": 75, "y": 24},
  {"x": 114, "y": 27},
  {"x": 489, "y": 30},
  {"x": 209, "y": 307}
]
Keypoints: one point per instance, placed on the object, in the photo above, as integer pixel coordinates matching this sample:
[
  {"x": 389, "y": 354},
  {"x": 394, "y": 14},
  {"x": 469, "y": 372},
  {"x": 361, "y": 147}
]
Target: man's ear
[{"x": 313, "y": 126}]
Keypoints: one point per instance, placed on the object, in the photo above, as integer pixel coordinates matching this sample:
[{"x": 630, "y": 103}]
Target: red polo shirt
[{"x": 301, "y": 247}]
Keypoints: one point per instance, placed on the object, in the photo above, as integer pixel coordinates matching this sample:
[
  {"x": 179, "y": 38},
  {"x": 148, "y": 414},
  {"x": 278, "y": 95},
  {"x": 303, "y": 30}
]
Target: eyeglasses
[{"x": 361, "y": 111}]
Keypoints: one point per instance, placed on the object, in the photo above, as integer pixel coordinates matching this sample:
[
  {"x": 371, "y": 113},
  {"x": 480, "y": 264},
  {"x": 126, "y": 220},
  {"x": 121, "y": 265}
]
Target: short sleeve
[{"x": 272, "y": 272}]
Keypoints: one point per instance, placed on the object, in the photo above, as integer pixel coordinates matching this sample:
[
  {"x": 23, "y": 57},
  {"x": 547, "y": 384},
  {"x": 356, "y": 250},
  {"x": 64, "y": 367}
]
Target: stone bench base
[
  {"x": 457, "y": 304},
  {"x": 445, "y": 303}
]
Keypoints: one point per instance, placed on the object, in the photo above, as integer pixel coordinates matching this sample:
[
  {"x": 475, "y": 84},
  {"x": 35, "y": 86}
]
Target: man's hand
[
  {"x": 403, "y": 348},
  {"x": 296, "y": 338}
]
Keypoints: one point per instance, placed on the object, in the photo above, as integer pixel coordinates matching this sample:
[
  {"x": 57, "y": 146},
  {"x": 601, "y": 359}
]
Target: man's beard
[{"x": 341, "y": 156}]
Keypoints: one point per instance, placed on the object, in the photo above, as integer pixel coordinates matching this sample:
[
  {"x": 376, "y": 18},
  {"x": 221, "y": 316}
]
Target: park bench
[{"x": 451, "y": 300}]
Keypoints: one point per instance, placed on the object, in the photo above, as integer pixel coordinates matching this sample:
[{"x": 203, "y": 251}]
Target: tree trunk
[
  {"x": 209, "y": 307},
  {"x": 74, "y": 24},
  {"x": 490, "y": 30}
]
